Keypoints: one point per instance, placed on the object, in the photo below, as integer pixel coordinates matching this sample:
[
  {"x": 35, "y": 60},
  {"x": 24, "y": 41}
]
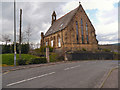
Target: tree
[
  {"x": 6, "y": 38},
  {"x": 28, "y": 33}
]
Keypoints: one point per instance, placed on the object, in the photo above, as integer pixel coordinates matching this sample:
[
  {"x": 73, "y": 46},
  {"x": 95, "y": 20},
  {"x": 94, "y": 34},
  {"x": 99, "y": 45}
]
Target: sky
[{"x": 37, "y": 14}]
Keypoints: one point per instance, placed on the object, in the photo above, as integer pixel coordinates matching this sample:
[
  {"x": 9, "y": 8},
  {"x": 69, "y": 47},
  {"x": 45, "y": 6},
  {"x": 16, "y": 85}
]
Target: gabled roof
[{"x": 61, "y": 23}]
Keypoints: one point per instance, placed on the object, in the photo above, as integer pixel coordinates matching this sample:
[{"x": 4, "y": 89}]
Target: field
[{"x": 8, "y": 59}]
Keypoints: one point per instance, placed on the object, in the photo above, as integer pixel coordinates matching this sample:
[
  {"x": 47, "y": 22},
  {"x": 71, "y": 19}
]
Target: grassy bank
[{"x": 8, "y": 59}]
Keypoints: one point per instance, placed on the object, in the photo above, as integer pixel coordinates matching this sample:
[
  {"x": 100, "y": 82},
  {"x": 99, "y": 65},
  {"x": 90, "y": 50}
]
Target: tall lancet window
[
  {"x": 82, "y": 33},
  {"x": 87, "y": 33},
  {"x": 77, "y": 32}
]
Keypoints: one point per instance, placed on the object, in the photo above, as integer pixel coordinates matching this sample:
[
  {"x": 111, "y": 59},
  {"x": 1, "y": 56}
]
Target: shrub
[
  {"x": 37, "y": 60},
  {"x": 37, "y": 52},
  {"x": 107, "y": 50},
  {"x": 21, "y": 61},
  {"x": 83, "y": 49},
  {"x": 53, "y": 57},
  {"x": 10, "y": 48},
  {"x": 50, "y": 49},
  {"x": 42, "y": 49}
]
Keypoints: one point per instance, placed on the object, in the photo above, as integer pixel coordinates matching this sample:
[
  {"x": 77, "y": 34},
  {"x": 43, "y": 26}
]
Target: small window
[
  {"x": 59, "y": 43},
  {"x": 46, "y": 43},
  {"x": 53, "y": 17},
  {"x": 61, "y": 25},
  {"x": 51, "y": 43}
]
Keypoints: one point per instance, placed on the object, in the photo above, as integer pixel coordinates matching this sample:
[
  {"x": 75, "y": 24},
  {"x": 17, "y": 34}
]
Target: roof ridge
[
  {"x": 66, "y": 14},
  {"x": 65, "y": 19}
]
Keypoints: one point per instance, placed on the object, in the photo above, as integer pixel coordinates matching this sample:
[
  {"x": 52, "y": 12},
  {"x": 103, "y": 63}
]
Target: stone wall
[{"x": 90, "y": 56}]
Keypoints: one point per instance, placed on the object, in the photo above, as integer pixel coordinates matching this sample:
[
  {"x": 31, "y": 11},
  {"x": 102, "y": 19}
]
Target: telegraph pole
[
  {"x": 20, "y": 33},
  {"x": 14, "y": 33}
]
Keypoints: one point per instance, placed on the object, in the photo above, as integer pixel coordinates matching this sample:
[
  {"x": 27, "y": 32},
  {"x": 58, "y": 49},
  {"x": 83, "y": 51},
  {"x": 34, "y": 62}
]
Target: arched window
[
  {"x": 46, "y": 43},
  {"x": 77, "y": 31},
  {"x": 87, "y": 33},
  {"x": 54, "y": 41},
  {"x": 82, "y": 33},
  {"x": 51, "y": 43},
  {"x": 86, "y": 29},
  {"x": 59, "y": 42},
  {"x": 81, "y": 22}
]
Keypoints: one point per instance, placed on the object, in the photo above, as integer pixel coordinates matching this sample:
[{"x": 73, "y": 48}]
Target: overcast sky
[{"x": 102, "y": 13}]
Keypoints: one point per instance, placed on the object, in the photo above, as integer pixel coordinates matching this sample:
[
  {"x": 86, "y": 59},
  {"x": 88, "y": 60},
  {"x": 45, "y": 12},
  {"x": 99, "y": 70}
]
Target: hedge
[
  {"x": 37, "y": 60},
  {"x": 22, "y": 61}
]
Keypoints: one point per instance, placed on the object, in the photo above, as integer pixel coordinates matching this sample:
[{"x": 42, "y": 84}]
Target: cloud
[
  {"x": 38, "y": 14},
  {"x": 104, "y": 17}
]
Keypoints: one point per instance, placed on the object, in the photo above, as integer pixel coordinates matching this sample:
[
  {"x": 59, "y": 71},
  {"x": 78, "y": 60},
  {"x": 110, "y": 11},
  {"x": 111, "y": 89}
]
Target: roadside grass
[{"x": 8, "y": 59}]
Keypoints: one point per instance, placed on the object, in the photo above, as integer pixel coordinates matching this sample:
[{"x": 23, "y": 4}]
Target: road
[{"x": 80, "y": 74}]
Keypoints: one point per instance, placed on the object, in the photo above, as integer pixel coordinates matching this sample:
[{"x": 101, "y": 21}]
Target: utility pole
[
  {"x": 20, "y": 33},
  {"x": 14, "y": 34}
]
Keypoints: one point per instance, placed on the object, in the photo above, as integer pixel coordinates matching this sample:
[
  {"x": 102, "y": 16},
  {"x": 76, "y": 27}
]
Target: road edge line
[{"x": 109, "y": 73}]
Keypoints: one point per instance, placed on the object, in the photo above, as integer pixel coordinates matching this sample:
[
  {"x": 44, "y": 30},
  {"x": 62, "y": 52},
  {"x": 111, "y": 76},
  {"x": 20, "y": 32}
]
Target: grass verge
[{"x": 8, "y": 59}]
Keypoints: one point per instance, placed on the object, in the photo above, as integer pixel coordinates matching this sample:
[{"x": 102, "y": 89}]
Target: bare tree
[
  {"x": 23, "y": 38},
  {"x": 6, "y": 38},
  {"x": 28, "y": 33}
]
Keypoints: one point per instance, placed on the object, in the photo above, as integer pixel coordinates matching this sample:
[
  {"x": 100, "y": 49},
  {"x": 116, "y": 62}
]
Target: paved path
[
  {"x": 112, "y": 80},
  {"x": 82, "y": 74}
]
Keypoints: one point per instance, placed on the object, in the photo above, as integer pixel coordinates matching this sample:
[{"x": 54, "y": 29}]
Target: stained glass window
[{"x": 77, "y": 31}]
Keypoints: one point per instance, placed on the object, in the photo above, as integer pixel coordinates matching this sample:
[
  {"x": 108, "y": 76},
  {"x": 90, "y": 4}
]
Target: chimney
[{"x": 53, "y": 17}]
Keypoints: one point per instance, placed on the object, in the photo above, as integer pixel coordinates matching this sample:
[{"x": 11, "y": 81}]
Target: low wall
[{"x": 90, "y": 56}]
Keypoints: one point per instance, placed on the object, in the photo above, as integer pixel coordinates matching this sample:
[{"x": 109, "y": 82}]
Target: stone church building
[{"x": 71, "y": 32}]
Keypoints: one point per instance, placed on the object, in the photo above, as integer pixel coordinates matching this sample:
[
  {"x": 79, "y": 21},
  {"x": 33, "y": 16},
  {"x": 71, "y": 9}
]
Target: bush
[
  {"x": 37, "y": 52},
  {"x": 41, "y": 52},
  {"x": 6, "y": 49},
  {"x": 53, "y": 57},
  {"x": 50, "y": 49},
  {"x": 10, "y": 48},
  {"x": 42, "y": 49},
  {"x": 107, "y": 50},
  {"x": 38, "y": 60},
  {"x": 83, "y": 49},
  {"x": 21, "y": 61}
]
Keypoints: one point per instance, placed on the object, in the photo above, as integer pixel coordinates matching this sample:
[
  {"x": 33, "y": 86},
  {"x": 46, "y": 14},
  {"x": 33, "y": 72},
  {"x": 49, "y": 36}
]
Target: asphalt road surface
[{"x": 80, "y": 74}]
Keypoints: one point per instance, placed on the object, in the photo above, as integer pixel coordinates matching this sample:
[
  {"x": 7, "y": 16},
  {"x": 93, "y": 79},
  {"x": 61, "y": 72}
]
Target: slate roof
[{"x": 61, "y": 23}]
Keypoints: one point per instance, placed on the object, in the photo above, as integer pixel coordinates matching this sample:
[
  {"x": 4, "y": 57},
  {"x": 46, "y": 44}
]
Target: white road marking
[
  {"x": 30, "y": 79},
  {"x": 71, "y": 67},
  {"x": 66, "y": 68}
]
